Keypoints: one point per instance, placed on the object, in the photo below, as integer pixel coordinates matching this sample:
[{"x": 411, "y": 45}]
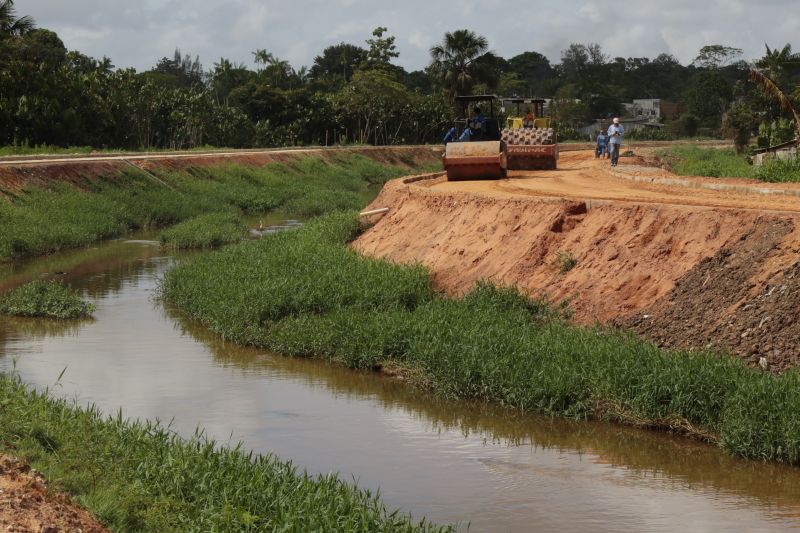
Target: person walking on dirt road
[
  {"x": 615, "y": 131},
  {"x": 602, "y": 144}
]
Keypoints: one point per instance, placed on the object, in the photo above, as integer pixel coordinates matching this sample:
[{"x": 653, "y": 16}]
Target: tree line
[{"x": 356, "y": 94}]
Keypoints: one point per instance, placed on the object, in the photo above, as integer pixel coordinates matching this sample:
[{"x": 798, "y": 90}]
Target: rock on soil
[{"x": 27, "y": 507}]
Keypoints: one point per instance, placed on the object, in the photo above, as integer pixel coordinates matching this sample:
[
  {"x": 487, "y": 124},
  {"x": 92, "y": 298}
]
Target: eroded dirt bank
[
  {"x": 19, "y": 173},
  {"x": 703, "y": 269},
  {"x": 26, "y": 506}
]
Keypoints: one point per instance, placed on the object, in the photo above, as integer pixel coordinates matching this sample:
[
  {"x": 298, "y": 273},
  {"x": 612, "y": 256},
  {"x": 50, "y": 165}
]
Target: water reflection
[{"x": 452, "y": 462}]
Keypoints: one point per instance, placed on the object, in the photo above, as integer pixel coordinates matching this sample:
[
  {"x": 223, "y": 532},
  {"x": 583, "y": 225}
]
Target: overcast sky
[{"x": 138, "y": 32}]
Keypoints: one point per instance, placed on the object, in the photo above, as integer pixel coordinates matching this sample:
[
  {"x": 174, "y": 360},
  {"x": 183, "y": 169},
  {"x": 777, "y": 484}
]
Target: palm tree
[
  {"x": 775, "y": 62},
  {"x": 771, "y": 89},
  {"x": 461, "y": 60},
  {"x": 10, "y": 25}
]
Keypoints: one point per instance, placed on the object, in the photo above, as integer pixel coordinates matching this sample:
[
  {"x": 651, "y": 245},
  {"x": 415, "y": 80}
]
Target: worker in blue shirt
[
  {"x": 600, "y": 150},
  {"x": 478, "y": 122},
  {"x": 615, "y": 131}
]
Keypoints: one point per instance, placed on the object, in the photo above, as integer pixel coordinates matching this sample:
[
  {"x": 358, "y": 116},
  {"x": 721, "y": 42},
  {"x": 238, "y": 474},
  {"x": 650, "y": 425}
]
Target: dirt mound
[
  {"x": 26, "y": 506},
  {"x": 743, "y": 300}
]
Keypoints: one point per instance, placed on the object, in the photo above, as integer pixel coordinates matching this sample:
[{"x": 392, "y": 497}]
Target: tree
[
  {"x": 381, "y": 50},
  {"x": 535, "y": 71},
  {"x": 776, "y": 63},
  {"x": 771, "y": 89},
  {"x": 716, "y": 56},
  {"x": 738, "y": 125},
  {"x": 10, "y": 24},
  {"x": 337, "y": 64},
  {"x": 461, "y": 61},
  {"x": 707, "y": 96}
]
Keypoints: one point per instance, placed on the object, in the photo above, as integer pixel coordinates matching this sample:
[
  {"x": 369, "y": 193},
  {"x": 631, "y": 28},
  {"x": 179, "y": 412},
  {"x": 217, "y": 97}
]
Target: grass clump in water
[
  {"x": 306, "y": 294},
  {"x": 140, "y": 476},
  {"x": 205, "y": 231},
  {"x": 45, "y": 299}
]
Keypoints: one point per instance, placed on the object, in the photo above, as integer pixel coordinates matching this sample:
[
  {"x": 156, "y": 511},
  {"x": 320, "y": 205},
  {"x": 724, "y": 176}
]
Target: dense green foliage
[
  {"x": 351, "y": 93},
  {"x": 47, "y": 220},
  {"x": 140, "y": 476},
  {"x": 304, "y": 293},
  {"x": 44, "y": 299},
  {"x": 205, "y": 231}
]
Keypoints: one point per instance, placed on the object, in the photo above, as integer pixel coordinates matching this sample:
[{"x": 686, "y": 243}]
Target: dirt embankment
[
  {"x": 16, "y": 174},
  {"x": 692, "y": 272},
  {"x": 26, "y": 506}
]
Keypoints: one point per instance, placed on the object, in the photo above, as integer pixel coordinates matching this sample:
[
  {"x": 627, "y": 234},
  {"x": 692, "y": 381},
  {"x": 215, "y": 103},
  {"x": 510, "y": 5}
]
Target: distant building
[{"x": 652, "y": 109}]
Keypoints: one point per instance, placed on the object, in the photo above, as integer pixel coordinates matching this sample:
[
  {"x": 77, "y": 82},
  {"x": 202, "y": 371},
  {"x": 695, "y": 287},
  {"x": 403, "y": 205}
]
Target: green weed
[
  {"x": 140, "y": 476},
  {"x": 304, "y": 293},
  {"x": 45, "y": 299},
  {"x": 709, "y": 162},
  {"x": 205, "y": 231}
]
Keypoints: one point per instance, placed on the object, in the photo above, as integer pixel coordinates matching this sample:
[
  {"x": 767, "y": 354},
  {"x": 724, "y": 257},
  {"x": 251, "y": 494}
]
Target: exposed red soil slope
[
  {"x": 27, "y": 507},
  {"x": 703, "y": 266}
]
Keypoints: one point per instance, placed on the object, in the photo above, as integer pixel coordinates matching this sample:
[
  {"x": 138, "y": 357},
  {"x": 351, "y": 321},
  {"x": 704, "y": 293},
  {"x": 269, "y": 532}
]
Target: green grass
[
  {"x": 779, "y": 171},
  {"x": 44, "y": 299},
  {"x": 726, "y": 163},
  {"x": 305, "y": 294},
  {"x": 42, "y": 221},
  {"x": 140, "y": 476},
  {"x": 709, "y": 162},
  {"x": 205, "y": 231}
]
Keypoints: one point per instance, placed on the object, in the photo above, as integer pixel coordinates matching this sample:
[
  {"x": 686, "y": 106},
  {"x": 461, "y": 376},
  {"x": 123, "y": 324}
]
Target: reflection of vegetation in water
[
  {"x": 41, "y": 328},
  {"x": 48, "y": 299},
  {"x": 641, "y": 452},
  {"x": 41, "y": 221},
  {"x": 304, "y": 293},
  {"x": 139, "y": 476}
]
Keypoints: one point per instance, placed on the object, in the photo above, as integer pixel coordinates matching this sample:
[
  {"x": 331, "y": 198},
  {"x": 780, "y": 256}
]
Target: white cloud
[{"x": 138, "y": 33}]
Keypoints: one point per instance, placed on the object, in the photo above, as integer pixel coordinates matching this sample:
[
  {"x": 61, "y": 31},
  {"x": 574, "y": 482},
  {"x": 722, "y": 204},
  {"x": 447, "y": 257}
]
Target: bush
[{"x": 45, "y": 299}]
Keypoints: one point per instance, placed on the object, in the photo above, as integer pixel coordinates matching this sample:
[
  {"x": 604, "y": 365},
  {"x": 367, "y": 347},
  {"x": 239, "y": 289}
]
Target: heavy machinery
[
  {"x": 527, "y": 142},
  {"x": 530, "y": 139},
  {"x": 476, "y": 150}
]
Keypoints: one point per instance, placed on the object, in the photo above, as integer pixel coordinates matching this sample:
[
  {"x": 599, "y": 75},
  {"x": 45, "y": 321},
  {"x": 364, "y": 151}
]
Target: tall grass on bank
[
  {"x": 140, "y": 476},
  {"x": 708, "y": 162},
  {"x": 205, "y": 231},
  {"x": 305, "y": 294},
  {"x": 45, "y": 299},
  {"x": 42, "y": 221},
  {"x": 726, "y": 163}
]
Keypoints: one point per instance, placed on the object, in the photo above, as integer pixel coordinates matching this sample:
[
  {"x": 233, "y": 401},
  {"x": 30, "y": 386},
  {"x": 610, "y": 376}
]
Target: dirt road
[{"x": 580, "y": 176}]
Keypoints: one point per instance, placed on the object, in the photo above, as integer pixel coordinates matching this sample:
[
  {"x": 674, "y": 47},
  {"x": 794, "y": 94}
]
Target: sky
[{"x": 136, "y": 33}]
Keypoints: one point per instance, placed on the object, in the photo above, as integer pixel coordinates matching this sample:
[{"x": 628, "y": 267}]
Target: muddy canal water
[{"x": 450, "y": 462}]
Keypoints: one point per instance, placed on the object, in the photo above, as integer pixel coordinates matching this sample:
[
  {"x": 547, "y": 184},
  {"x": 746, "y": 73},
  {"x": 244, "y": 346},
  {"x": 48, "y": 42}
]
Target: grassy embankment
[
  {"x": 45, "y": 299},
  {"x": 139, "y": 476},
  {"x": 44, "y": 221},
  {"x": 719, "y": 163},
  {"x": 305, "y": 294}
]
